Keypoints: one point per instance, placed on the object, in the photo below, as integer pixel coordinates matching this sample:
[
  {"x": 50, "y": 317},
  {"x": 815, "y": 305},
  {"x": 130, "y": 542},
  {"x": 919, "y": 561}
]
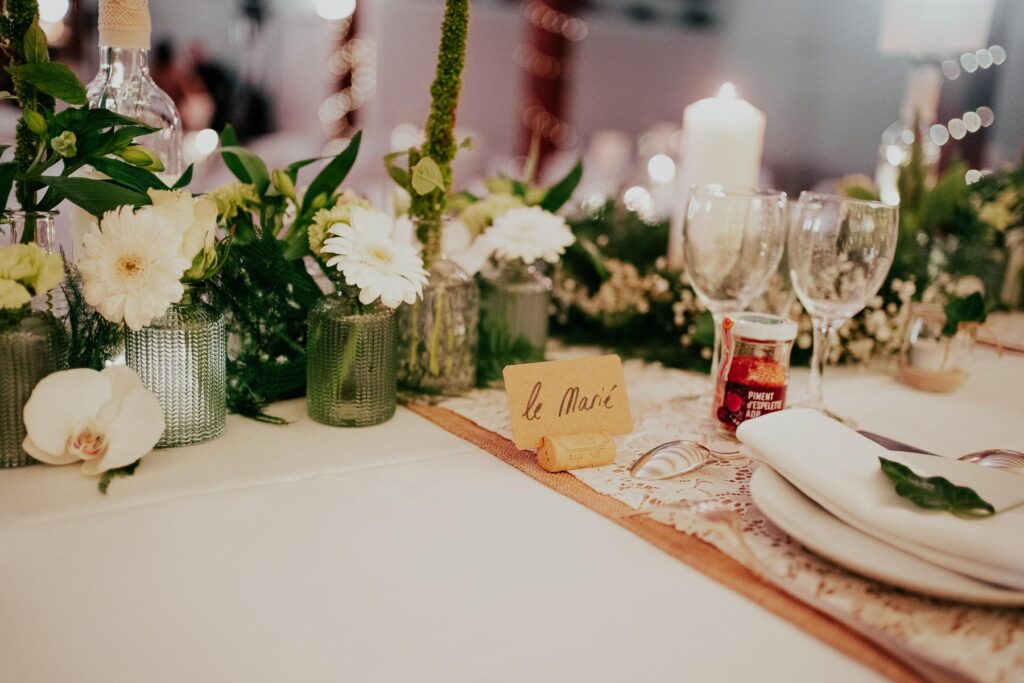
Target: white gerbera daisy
[
  {"x": 372, "y": 261},
  {"x": 132, "y": 266},
  {"x": 531, "y": 234}
]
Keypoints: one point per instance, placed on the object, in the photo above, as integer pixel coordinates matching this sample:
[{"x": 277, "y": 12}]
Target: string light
[
  {"x": 545, "y": 124},
  {"x": 356, "y": 59},
  {"x": 534, "y": 115},
  {"x": 543, "y": 16}
]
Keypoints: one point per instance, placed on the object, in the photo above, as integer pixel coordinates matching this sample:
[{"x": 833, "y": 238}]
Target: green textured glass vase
[
  {"x": 351, "y": 362},
  {"x": 32, "y": 345},
  {"x": 439, "y": 334},
  {"x": 516, "y": 298},
  {"x": 182, "y": 357}
]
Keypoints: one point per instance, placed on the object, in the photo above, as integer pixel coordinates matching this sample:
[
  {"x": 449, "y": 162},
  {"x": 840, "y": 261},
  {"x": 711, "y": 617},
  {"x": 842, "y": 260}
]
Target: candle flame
[{"x": 727, "y": 92}]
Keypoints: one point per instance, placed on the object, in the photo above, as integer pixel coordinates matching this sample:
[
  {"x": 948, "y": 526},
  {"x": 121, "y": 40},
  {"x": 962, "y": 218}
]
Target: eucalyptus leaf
[
  {"x": 333, "y": 174},
  {"x": 52, "y": 78},
  {"x": 95, "y": 196},
  {"x": 936, "y": 493},
  {"x": 561, "y": 192},
  {"x": 427, "y": 176}
]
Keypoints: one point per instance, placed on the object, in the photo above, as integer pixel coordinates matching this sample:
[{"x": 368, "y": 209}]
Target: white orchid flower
[{"x": 105, "y": 419}]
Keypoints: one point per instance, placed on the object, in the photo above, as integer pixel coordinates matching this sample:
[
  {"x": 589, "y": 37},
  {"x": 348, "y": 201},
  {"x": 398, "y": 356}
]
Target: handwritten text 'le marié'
[{"x": 573, "y": 401}]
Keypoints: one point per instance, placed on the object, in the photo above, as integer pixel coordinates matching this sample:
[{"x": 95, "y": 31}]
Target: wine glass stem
[
  {"x": 716, "y": 351},
  {"x": 819, "y": 359}
]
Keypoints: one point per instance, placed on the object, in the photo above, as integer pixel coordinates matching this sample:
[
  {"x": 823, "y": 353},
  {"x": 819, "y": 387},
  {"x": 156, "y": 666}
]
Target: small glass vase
[
  {"x": 36, "y": 227},
  {"x": 28, "y": 227},
  {"x": 32, "y": 345},
  {"x": 182, "y": 357},
  {"x": 351, "y": 361},
  {"x": 929, "y": 360},
  {"x": 439, "y": 333},
  {"x": 516, "y": 298}
]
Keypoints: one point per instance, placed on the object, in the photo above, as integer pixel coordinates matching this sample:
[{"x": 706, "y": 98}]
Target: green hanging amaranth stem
[
  {"x": 427, "y": 209},
  {"x": 18, "y": 18}
]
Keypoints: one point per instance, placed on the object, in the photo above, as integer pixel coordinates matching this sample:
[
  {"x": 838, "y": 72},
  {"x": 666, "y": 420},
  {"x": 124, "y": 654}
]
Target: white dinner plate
[{"x": 815, "y": 528}]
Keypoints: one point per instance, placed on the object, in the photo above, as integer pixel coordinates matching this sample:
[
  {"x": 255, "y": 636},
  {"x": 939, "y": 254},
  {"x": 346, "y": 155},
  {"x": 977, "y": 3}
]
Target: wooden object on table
[{"x": 572, "y": 451}]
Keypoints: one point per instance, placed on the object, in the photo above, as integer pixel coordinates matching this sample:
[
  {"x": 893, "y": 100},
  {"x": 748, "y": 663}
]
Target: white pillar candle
[{"x": 723, "y": 138}]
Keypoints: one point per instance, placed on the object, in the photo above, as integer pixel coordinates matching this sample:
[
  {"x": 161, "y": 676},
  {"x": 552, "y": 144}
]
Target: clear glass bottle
[
  {"x": 516, "y": 297},
  {"x": 351, "y": 361},
  {"x": 754, "y": 372},
  {"x": 124, "y": 84},
  {"x": 32, "y": 345},
  {"x": 182, "y": 357},
  {"x": 438, "y": 335}
]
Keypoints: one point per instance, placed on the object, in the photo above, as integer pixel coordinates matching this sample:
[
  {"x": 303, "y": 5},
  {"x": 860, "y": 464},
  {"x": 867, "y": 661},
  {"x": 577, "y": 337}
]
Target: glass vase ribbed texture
[
  {"x": 351, "y": 362},
  {"x": 182, "y": 357},
  {"x": 516, "y": 297},
  {"x": 32, "y": 345},
  {"x": 439, "y": 334}
]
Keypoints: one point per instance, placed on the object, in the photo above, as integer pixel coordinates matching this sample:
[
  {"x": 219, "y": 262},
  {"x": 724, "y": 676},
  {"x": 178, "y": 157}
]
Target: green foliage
[
  {"x": 264, "y": 286},
  {"x": 93, "y": 339},
  {"x": 117, "y": 472},
  {"x": 936, "y": 493},
  {"x": 561, "y": 192},
  {"x": 74, "y": 138},
  {"x": 95, "y": 196},
  {"x": 964, "y": 310},
  {"x": 612, "y": 234},
  {"x": 53, "y": 79},
  {"x": 268, "y": 298}
]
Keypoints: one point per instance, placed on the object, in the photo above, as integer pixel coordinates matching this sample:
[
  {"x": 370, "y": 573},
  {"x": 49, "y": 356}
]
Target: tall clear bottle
[{"x": 125, "y": 85}]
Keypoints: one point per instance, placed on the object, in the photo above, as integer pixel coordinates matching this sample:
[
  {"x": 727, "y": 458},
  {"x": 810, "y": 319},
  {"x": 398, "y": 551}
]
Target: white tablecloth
[{"x": 398, "y": 552}]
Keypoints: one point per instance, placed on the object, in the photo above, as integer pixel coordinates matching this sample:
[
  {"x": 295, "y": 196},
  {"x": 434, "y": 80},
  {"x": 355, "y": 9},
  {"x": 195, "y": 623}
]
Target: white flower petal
[
  {"x": 122, "y": 381},
  {"x": 57, "y": 404},
  {"x": 49, "y": 458},
  {"x": 135, "y": 430}
]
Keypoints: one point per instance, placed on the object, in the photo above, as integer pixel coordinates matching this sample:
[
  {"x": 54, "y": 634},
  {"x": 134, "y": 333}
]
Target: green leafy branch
[{"x": 76, "y": 137}]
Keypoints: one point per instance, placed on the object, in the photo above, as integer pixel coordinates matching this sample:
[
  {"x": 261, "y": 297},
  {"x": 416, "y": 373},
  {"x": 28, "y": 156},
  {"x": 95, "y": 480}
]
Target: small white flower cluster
[{"x": 628, "y": 294}]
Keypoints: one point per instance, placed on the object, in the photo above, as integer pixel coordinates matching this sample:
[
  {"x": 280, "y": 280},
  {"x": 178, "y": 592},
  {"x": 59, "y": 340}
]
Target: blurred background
[{"x": 605, "y": 79}]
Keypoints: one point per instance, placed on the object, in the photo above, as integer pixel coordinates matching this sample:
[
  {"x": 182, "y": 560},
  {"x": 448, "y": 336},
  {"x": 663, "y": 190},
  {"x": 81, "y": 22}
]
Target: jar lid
[{"x": 762, "y": 326}]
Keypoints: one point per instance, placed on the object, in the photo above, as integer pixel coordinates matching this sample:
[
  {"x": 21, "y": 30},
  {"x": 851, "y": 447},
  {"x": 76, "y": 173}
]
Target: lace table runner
[{"x": 987, "y": 642}]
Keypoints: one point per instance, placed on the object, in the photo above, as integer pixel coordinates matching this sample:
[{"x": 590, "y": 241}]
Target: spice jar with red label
[{"x": 754, "y": 371}]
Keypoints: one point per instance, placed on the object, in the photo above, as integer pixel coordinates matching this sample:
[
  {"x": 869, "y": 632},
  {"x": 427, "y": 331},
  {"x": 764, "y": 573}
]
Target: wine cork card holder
[{"x": 569, "y": 410}]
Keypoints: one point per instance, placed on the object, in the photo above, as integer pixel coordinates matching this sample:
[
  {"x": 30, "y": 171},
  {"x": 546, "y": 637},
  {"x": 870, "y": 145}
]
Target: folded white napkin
[{"x": 839, "y": 469}]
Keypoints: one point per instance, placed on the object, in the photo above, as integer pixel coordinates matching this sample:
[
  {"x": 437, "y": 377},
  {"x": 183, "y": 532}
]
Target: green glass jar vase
[
  {"x": 439, "y": 333},
  {"x": 516, "y": 298},
  {"x": 33, "y": 344},
  {"x": 182, "y": 357},
  {"x": 351, "y": 361}
]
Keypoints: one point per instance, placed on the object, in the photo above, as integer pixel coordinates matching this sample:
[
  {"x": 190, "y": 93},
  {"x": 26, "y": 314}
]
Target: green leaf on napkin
[{"x": 936, "y": 493}]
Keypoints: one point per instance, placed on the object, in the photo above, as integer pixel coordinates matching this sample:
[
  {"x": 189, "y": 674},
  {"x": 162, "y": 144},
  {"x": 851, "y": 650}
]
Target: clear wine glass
[
  {"x": 840, "y": 251},
  {"x": 733, "y": 239}
]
